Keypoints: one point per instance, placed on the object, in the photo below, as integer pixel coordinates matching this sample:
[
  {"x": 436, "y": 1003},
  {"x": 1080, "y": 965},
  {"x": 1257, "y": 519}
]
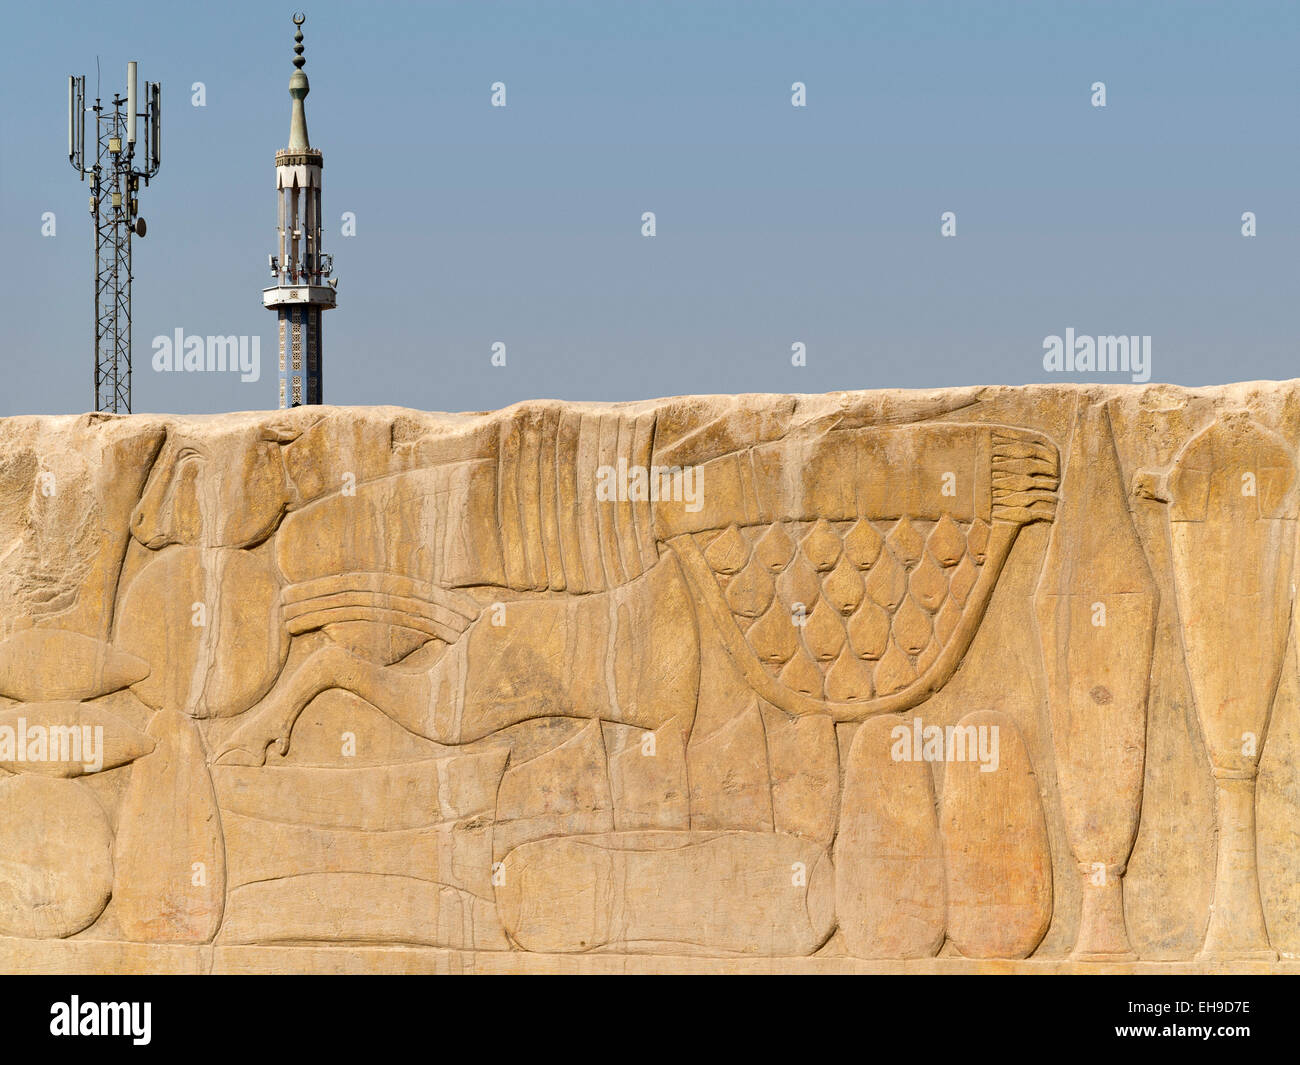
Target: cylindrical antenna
[
  {"x": 155, "y": 105},
  {"x": 77, "y": 124},
  {"x": 130, "y": 102}
]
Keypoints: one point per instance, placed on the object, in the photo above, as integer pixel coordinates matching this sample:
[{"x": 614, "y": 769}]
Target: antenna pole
[{"x": 114, "y": 210}]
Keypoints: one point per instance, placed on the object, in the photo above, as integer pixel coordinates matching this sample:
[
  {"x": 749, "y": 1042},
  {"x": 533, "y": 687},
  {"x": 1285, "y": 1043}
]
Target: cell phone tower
[{"x": 114, "y": 211}]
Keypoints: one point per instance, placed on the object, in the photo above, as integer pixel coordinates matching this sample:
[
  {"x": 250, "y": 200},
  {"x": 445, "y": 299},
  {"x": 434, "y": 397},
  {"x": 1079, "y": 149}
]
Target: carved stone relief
[{"x": 923, "y": 681}]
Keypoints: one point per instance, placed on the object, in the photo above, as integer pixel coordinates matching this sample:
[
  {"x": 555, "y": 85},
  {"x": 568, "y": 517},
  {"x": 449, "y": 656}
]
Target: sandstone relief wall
[{"x": 974, "y": 678}]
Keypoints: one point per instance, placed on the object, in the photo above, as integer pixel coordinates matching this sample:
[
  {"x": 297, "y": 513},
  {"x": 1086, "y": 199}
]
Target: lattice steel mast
[{"x": 114, "y": 211}]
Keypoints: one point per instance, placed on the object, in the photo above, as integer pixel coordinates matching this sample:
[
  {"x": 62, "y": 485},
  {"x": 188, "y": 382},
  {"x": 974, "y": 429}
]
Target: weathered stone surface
[
  {"x": 170, "y": 875},
  {"x": 751, "y": 893},
  {"x": 681, "y": 685}
]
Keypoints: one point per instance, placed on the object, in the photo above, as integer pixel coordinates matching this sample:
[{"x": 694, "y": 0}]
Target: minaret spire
[
  {"x": 303, "y": 285},
  {"x": 299, "y": 87}
]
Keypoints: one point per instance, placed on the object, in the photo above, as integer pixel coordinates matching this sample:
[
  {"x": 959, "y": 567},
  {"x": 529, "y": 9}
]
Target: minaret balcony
[
  {"x": 299, "y": 157},
  {"x": 322, "y": 296}
]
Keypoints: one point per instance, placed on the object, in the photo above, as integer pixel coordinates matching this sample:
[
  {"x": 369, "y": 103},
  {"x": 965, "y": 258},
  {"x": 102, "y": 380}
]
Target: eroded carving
[{"x": 812, "y": 680}]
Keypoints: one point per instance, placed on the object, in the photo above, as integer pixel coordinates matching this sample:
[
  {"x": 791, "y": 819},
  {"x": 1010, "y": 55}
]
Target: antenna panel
[{"x": 130, "y": 102}]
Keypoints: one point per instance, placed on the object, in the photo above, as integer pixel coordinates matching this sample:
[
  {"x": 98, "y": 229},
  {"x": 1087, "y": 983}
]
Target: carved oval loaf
[
  {"x": 995, "y": 845},
  {"x": 889, "y": 878}
]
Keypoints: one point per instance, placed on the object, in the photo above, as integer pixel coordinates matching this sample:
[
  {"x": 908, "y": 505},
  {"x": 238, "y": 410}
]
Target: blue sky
[{"x": 775, "y": 224}]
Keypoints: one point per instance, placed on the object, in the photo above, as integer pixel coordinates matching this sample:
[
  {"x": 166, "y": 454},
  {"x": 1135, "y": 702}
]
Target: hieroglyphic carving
[{"x": 694, "y": 679}]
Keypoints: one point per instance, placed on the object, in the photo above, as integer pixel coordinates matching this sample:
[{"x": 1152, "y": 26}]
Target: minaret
[{"x": 304, "y": 287}]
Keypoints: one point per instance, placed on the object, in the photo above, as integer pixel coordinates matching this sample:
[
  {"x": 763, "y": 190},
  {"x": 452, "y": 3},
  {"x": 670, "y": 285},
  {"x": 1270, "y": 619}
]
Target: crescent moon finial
[{"x": 298, "y": 59}]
